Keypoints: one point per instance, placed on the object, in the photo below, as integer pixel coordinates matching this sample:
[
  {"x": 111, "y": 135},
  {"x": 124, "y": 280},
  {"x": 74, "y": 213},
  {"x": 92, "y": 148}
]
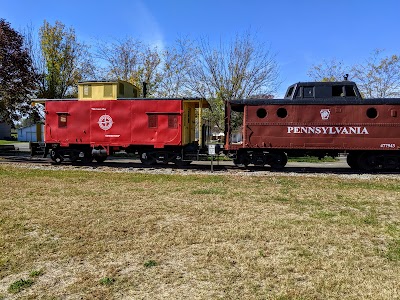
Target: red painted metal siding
[
  {"x": 114, "y": 123},
  {"x": 344, "y": 127}
]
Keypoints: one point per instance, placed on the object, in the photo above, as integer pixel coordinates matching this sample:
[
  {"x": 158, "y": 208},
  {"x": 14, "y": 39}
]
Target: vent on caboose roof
[{"x": 106, "y": 90}]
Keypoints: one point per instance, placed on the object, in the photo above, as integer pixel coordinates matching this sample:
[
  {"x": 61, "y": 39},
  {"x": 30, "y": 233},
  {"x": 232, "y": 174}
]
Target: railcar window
[
  {"x": 281, "y": 112},
  {"x": 298, "y": 93},
  {"x": 261, "y": 113},
  {"x": 121, "y": 89},
  {"x": 337, "y": 91},
  {"x": 308, "y": 92},
  {"x": 290, "y": 92},
  {"x": 372, "y": 113},
  {"x": 152, "y": 121},
  {"x": 172, "y": 121},
  {"x": 62, "y": 120},
  {"x": 323, "y": 91},
  {"x": 87, "y": 91},
  {"x": 350, "y": 92},
  {"x": 108, "y": 90}
]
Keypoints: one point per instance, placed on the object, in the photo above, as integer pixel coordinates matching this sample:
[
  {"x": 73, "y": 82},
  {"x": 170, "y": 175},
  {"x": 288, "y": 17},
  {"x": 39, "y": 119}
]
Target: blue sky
[{"x": 301, "y": 33}]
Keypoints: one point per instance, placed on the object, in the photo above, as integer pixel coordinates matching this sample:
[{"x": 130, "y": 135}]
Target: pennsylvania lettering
[{"x": 326, "y": 130}]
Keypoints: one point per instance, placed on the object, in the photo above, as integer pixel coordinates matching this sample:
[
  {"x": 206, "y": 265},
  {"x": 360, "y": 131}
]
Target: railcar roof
[
  {"x": 204, "y": 102},
  {"x": 118, "y": 99},
  {"x": 322, "y": 101},
  {"x": 324, "y": 83}
]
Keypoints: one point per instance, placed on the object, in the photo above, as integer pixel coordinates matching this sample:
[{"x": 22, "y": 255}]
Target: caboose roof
[
  {"x": 323, "y": 101},
  {"x": 325, "y": 83}
]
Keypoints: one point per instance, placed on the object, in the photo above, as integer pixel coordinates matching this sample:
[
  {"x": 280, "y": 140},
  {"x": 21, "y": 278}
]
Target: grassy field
[
  {"x": 98, "y": 235},
  {"x": 4, "y": 142}
]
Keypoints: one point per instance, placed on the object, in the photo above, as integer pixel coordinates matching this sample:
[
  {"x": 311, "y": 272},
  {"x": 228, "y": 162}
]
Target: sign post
[{"x": 211, "y": 151}]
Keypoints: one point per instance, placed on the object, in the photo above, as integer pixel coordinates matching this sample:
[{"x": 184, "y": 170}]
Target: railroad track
[{"x": 116, "y": 164}]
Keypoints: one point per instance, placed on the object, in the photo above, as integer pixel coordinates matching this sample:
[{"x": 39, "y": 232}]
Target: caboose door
[{"x": 189, "y": 122}]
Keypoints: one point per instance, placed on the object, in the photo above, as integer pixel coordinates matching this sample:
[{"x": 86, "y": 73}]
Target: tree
[
  {"x": 66, "y": 61},
  {"x": 328, "y": 70},
  {"x": 17, "y": 78},
  {"x": 122, "y": 58},
  {"x": 149, "y": 70},
  {"x": 378, "y": 77},
  {"x": 175, "y": 66},
  {"x": 234, "y": 70},
  {"x": 130, "y": 60}
]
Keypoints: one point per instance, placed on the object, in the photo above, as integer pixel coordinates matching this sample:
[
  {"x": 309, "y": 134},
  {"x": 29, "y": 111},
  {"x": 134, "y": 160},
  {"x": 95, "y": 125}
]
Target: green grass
[
  {"x": 104, "y": 235},
  {"x": 150, "y": 263},
  {"x": 4, "y": 142},
  {"x": 19, "y": 285},
  {"x": 312, "y": 159},
  {"x": 36, "y": 273},
  {"x": 107, "y": 281}
]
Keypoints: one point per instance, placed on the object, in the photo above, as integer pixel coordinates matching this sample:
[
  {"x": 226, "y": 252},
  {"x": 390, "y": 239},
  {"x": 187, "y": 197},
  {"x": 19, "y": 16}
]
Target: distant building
[
  {"x": 5, "y": 131},
  {"x": 219, "y": 136},
  {"x": 33, "y": 133}
]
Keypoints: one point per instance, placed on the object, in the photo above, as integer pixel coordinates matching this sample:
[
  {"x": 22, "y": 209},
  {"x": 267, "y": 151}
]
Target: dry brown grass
[{"x": 135, "y": 236}]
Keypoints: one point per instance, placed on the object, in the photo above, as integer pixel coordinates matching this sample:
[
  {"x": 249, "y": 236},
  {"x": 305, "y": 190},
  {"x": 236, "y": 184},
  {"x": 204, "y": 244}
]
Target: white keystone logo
[{"x": 325, "y": 113}]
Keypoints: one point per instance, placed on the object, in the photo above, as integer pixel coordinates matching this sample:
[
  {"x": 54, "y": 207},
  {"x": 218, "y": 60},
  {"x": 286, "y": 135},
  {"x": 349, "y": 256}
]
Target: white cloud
[{"x": 146, "y": 25}]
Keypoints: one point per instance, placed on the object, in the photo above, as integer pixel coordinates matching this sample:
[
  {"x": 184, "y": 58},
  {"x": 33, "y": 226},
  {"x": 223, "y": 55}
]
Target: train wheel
[
  {"x": 352, "y": 161},
  {"x": 100, "y": 159},
  {"x": 391, "y": 162},
  {"x": 56, "y": 157},
  {"x": 242, "y": 160},
  {"x": 279, "y": 161},
  {"x": 147, "y": 159},
  {"x": 368, "y": 161},
  {"x": 87, "y": 157}
]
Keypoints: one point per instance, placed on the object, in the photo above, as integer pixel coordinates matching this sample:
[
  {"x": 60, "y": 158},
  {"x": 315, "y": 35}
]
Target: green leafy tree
[
  {"x": 65, "y": 61},
  {"x": 17, "y": 77}
]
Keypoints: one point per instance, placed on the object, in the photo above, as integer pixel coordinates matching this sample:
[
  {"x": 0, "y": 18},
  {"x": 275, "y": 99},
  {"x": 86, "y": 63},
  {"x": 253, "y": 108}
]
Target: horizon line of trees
[{"x": 50, "y": 62}]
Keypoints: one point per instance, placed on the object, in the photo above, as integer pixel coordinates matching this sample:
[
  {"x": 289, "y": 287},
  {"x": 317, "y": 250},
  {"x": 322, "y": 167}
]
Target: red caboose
[
  {"x": 159, "y": 129},
  {"x": 318, "y": 119}
]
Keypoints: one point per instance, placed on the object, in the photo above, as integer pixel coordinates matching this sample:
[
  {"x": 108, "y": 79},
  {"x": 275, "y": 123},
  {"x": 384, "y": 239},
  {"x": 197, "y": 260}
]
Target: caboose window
[
  {"x": 350, "y": 92},
  {"x": 337, "y": 91},
  {"x": 281, "y": 112},
  {"x": 372, "y": 113},
  {"x": 290, "y": 92},
  {"x": 298, "y": 93},
  {"x": 172, "y": 121},
  {"x": 62, "y": 120},
  {"x": 308, "y": 92},
  {"x": 87, "y": 91},
  {"x": 152, "y": 121},
  {"x": 261, "y": 113},
  {"x": 121, "y": 89},
  {"x": 108, "y": 90}
]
